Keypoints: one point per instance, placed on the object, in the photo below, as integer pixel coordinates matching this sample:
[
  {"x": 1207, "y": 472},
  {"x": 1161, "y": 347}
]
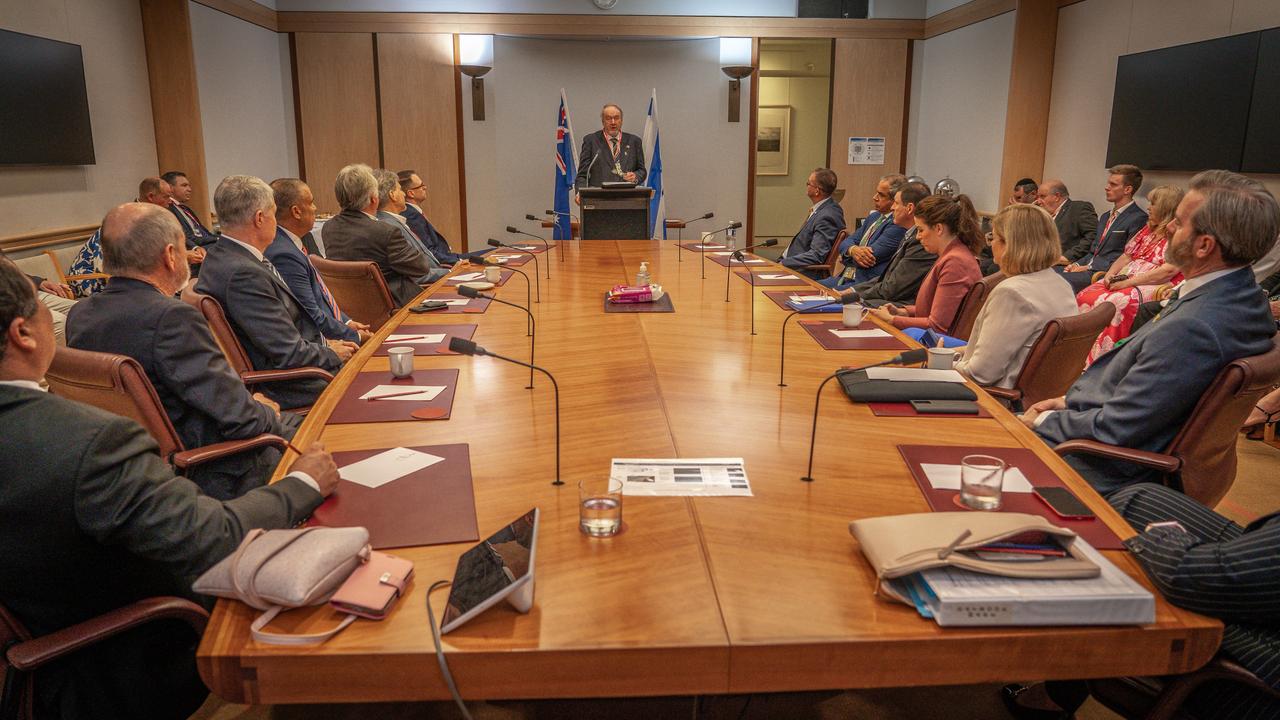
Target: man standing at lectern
[{"x": 610, "y": 155}]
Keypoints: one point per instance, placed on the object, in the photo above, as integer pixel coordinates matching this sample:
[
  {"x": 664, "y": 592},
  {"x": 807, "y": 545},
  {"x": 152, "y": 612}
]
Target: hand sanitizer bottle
[{"x": 642, "y": 276}]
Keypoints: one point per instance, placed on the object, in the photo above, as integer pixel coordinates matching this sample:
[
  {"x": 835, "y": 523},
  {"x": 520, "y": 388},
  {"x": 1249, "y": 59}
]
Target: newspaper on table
[{"x": 668, "y": 477}]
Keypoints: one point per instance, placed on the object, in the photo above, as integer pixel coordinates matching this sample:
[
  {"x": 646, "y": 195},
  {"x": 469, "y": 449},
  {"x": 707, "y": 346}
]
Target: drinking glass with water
[{"x": 600, "y": 507}]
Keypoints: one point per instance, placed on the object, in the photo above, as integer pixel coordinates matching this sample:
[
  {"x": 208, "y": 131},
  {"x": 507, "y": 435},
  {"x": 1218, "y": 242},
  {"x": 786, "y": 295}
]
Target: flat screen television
[
  {"x": 1262, "y": 140},
  {"x": 44, "y": 106},
  {"x": 1184, "y": 107}
]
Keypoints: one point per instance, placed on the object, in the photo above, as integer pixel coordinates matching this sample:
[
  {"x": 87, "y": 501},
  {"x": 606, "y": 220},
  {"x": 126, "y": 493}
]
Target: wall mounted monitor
[
  {"x": 1262, "y": 140},
  {"x": 44, "y": 106}
]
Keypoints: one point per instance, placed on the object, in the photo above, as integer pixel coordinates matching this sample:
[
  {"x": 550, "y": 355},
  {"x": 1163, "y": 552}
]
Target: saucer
[{"x": 477, "y": 285}]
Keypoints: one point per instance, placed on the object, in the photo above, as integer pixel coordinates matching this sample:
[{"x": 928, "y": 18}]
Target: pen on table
[
  {"x": 407, "y": 339},
  {"x": 392, "y": 395}
]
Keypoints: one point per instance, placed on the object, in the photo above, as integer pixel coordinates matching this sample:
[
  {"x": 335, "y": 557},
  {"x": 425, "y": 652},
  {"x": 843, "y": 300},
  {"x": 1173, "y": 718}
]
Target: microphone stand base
[
  {"x": 806, "y": 478},
  {"x": 557, "y": 481}
]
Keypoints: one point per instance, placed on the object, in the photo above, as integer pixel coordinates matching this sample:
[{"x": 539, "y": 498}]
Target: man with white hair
[
  {"x": 357, "y": 234},
  {"x": 275, "y": 330}
]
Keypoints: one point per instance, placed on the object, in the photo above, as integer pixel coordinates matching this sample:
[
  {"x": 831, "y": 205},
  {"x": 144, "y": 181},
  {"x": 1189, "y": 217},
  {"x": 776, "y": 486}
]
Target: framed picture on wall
[{"x": 773, "y": 140}]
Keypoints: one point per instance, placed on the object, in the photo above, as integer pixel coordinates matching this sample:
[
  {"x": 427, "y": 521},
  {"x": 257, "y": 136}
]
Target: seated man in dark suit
[
  {"x": 1201, "y": 561},
  {"x": 274, "y": 328},
  {"x": 1117, "y": 227},
  {"x": 1076, "y": 220},
  {"x": 158, "y": 192},
  {"x": 813, "y": 243},
  {"x": 865, "y": 253},
  {"x": 610, "y": 155},
  {"x": 415, "y": 194},
  {"x": 181, "y": 190},
  {"x": 357, "y": 234},
  {"x": 1024, "y": 191},
  {"x": 137, "y": 315},
  {"x": 1139, "y": 394},
  {"x": 906, "y": 270},
  {"x": 295, "y": 216},
  {"x": 99, "y": 521}
]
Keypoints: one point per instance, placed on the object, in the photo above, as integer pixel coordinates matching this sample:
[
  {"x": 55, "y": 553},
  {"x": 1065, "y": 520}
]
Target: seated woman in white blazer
[{"x": 1024, "y": 242}]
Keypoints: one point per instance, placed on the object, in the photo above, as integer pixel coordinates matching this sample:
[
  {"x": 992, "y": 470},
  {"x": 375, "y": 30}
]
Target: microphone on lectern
[
  {"x": 462, "y": 346},
  {"x": 909, "y": 357}
]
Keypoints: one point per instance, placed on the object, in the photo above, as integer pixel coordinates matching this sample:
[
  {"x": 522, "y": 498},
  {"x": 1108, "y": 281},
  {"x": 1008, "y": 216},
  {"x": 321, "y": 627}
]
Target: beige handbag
[{"x": 898, "y": 545}]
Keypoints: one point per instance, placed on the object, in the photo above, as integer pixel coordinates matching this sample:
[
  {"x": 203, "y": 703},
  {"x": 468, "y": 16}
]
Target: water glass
[
  {"x": 401, "y": 361},
  {"x": 600, "y": 507},
  {"x": 981, "y": 481}
]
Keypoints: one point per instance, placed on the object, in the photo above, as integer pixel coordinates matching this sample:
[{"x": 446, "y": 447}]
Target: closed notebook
[
  {"x": 372, "y": 589},
  {"x": 861, "y": 389}
]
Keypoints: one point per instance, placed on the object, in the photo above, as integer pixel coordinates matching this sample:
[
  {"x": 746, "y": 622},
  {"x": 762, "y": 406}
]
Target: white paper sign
[
  {"x": 456, "y": 301},
  {"x": 421, "y": 392},
  {"x": 467, "y": 277},
  {"x": 873, "y": 333},
  {"x": 947, "y": 477},
  {"x": 775, "y": 276},
  {"x": 866, "y": 151},
  {"x": 415, "y": 339},
  {"x": 387, "y": 466},
  {"x": 807, "y": 298}
]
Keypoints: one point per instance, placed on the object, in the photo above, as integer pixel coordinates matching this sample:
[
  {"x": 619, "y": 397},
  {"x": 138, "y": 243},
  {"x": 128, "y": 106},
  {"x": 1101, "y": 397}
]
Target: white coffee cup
[
  {"x": 401, "y": 361},
  {"x": 493, "y": 274},
  {"x": 941, "y": 358},
  {"x": 853, "y": 314}
]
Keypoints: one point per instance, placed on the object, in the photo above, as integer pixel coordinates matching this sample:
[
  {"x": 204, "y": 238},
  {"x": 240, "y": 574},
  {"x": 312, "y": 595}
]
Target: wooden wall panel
[
  {"x": 420, "y": 122},
  {"x": 1026, "y": 125},
  {"x": 175, "y": 97},
  {"x": 337, "y": 108},
  {"x": 868, "y": 98}
]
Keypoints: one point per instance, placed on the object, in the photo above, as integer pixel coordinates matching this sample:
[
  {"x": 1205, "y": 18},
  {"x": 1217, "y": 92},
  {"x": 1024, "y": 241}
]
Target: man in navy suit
[
  {"x": 1116, "y": 228},
  {"x": 813, "y": 243},
  {"x": 1139, "y": 394},
  {"x": 180, "y": 191},
  {"x": 275, "y": 330},
  {"x": 137, "y": 315},
  {"x": 610, "y": 155},
  {"x": 295, "y": 216},
  {"x": 866, "y": 253},
  {"x": 415, "y": 194}
]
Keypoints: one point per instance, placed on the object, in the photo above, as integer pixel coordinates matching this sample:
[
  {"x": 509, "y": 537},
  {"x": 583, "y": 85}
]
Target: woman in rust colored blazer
[{"x": 948, "y": 227}]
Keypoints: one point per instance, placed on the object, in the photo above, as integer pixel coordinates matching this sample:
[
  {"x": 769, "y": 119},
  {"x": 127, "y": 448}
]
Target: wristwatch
[{"x": 1164, "y": 524}]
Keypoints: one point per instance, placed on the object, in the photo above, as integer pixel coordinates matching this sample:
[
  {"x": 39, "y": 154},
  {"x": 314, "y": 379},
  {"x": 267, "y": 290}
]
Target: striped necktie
[{"x": 324, "y": 290}]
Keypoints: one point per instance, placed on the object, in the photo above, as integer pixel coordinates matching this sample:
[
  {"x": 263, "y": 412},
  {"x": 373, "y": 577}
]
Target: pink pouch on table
[{"x": 634, "y": 294}]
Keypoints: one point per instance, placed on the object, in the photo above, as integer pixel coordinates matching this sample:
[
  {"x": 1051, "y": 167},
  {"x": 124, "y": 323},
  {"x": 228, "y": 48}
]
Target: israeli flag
[
  {"x": 566, "y": 172},
  {"x": 653, "y": 151}
]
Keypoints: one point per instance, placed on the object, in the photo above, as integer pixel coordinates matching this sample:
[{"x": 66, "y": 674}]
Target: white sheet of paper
[
  {"x": 947, "y": 477},
  {"x": 807, "y": 298},
  {"x": 425, "y": 392},
  {"x": 914, "y": 375},
  {"x": 467, "y": 277},
  {"x": 525, "y": 247},
  {"x": 387, "y": 466},
  {"x": 709, "y": 247},
  {"x": 421, "y": 339},
  {"x": 456, "y": 301},
  {"x": 873, "y": 333},
  {"x": 503, "y": 258},
  {"x": 723, "y": 253},
  {"x": 776, "y": 276}
]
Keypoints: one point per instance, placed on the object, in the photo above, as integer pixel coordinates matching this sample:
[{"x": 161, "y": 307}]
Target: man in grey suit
[
  {"x": 1076, "y": 220},
  {"x": 357, "y": 234},
  {"x": 391, "y": 202},
  {"x": 99, "y": 521},
  {"x": 274, "y": 328},
  {"x": 1140, "y": 394},
  {"x": 906, "y": 269},
  {"x": 610, "y": 155},
  {"x": 137, "y": 315}
]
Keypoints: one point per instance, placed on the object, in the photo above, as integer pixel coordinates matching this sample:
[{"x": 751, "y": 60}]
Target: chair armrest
[
  {"x": 253, "y": 377},
  {"x": 1158, "y": 461},
  {"x": 999, "y": 393},
  {"x": 1162, "y": 292},
  {"x": 189, "y": 458},
  {"x": 1179, "y": 687},
  {"x": 1097, "y": 276},
  {"x": 33, "y": 653}
]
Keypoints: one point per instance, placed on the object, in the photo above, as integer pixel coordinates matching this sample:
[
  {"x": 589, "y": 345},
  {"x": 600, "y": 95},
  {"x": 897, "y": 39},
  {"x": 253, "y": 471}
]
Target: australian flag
[{"x": 566, "y": 172}]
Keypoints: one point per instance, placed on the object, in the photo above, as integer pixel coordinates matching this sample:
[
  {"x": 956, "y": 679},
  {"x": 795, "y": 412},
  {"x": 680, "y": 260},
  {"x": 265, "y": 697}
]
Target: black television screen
[
  {"x": 1262, "y": 141},
  {"x": 1184, "y": 107},
  {"x": 44, "y": 107}
]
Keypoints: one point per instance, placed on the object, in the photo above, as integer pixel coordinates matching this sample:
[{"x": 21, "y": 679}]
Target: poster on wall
[
  {"x": 773, "y": 139},
  {"x": 866, "y": 151}
]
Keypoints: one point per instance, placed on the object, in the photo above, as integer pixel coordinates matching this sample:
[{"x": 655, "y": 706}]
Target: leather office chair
[
  {"x": 359, "y": 288},
  {"x": 1201, "y": 459},
  {"x": 226, "y": 338},
  {"x": 23, "y": 655},
  {"x": 1056, "y": 358},
  {"x": 1162, "y": 698},
  {"x": 971, "y": 305},
  {"x": 117, "y": 384},
  {"x": 833, "y": 256}
]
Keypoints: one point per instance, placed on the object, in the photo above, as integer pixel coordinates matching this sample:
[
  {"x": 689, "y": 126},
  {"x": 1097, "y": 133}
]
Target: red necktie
[{"x": 324, "y": 289}]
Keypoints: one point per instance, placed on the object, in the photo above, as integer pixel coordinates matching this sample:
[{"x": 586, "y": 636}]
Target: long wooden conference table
[{"x": 696, "y": 596}]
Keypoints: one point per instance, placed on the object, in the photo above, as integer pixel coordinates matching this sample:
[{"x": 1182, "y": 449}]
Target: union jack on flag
[{"x": 566, "y": 173}]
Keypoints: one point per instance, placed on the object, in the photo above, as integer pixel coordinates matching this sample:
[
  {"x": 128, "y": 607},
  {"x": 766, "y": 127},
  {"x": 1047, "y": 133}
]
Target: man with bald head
[
  {"x": 1076, "y": 220},
  {"x": 610, "y": 155},
  {"x": 143, "y": 248}
]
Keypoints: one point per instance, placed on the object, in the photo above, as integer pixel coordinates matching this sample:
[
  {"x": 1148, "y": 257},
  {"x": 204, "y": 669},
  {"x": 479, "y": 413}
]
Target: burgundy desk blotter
[
  {"x": 902, "y": 409},
  {"x": 723, "y": 260},
  {"x": 455, "y": 281},
  {"x": 695, "y": 246},
  {"x": 432, "y": 506},
  {"x": 1093, "y": 530},
  {"x": 780, "y": 298},
  {"x": 462, "y": 330},
  {"x": 769, "y": 282},
  {"x": 351, "y": 409},
  {"x": 661, "y": 305},
  {"x": 473, "y": 306},
  {"x": 820, "y": 330},
  {"x": 510, "y": 258}
]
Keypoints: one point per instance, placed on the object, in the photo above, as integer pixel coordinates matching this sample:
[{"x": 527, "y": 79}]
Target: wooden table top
[{"x": 696, "y": 596}]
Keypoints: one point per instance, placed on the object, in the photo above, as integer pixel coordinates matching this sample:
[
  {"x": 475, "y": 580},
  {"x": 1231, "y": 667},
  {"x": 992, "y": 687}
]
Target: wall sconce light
[
  {"x": 735, "y": 61},
  {"x": 475, "y": 58}
]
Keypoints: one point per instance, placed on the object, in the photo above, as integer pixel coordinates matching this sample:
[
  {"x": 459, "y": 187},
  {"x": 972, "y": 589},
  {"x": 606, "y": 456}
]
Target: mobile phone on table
[
  {"x": 1063, "y": 503},
  {"x": 945, "y": 407},
  {"x": 428, "y": 306}
]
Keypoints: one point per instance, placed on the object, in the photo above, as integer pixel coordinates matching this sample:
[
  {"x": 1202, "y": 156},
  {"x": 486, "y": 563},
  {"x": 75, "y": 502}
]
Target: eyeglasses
[{"x": 415, "y": 187}]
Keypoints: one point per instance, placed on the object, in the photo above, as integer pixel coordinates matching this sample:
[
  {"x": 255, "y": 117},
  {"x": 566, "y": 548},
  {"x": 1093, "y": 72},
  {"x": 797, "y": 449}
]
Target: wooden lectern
[{"x": 615, "y": 213}]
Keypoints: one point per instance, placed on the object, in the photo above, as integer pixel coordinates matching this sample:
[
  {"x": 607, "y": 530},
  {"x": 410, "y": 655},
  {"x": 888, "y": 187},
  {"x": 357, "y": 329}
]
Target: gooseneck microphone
[
  {"x": 517, "y": 231},
  {"x": 731, "y": 226},
  {"x": 559, "y": 215},
  {"x": 522, "y": 251},
  {"x": 846, "y": 299},
  {"x": 704, "y": 216},
  {"x": 910, "y": 357},
  {"x": 462, "y": 346},
  {"x": 740, "y": 257},
  {"x": 528, "y": 292},
  {"x": 473, "y": 293}
]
